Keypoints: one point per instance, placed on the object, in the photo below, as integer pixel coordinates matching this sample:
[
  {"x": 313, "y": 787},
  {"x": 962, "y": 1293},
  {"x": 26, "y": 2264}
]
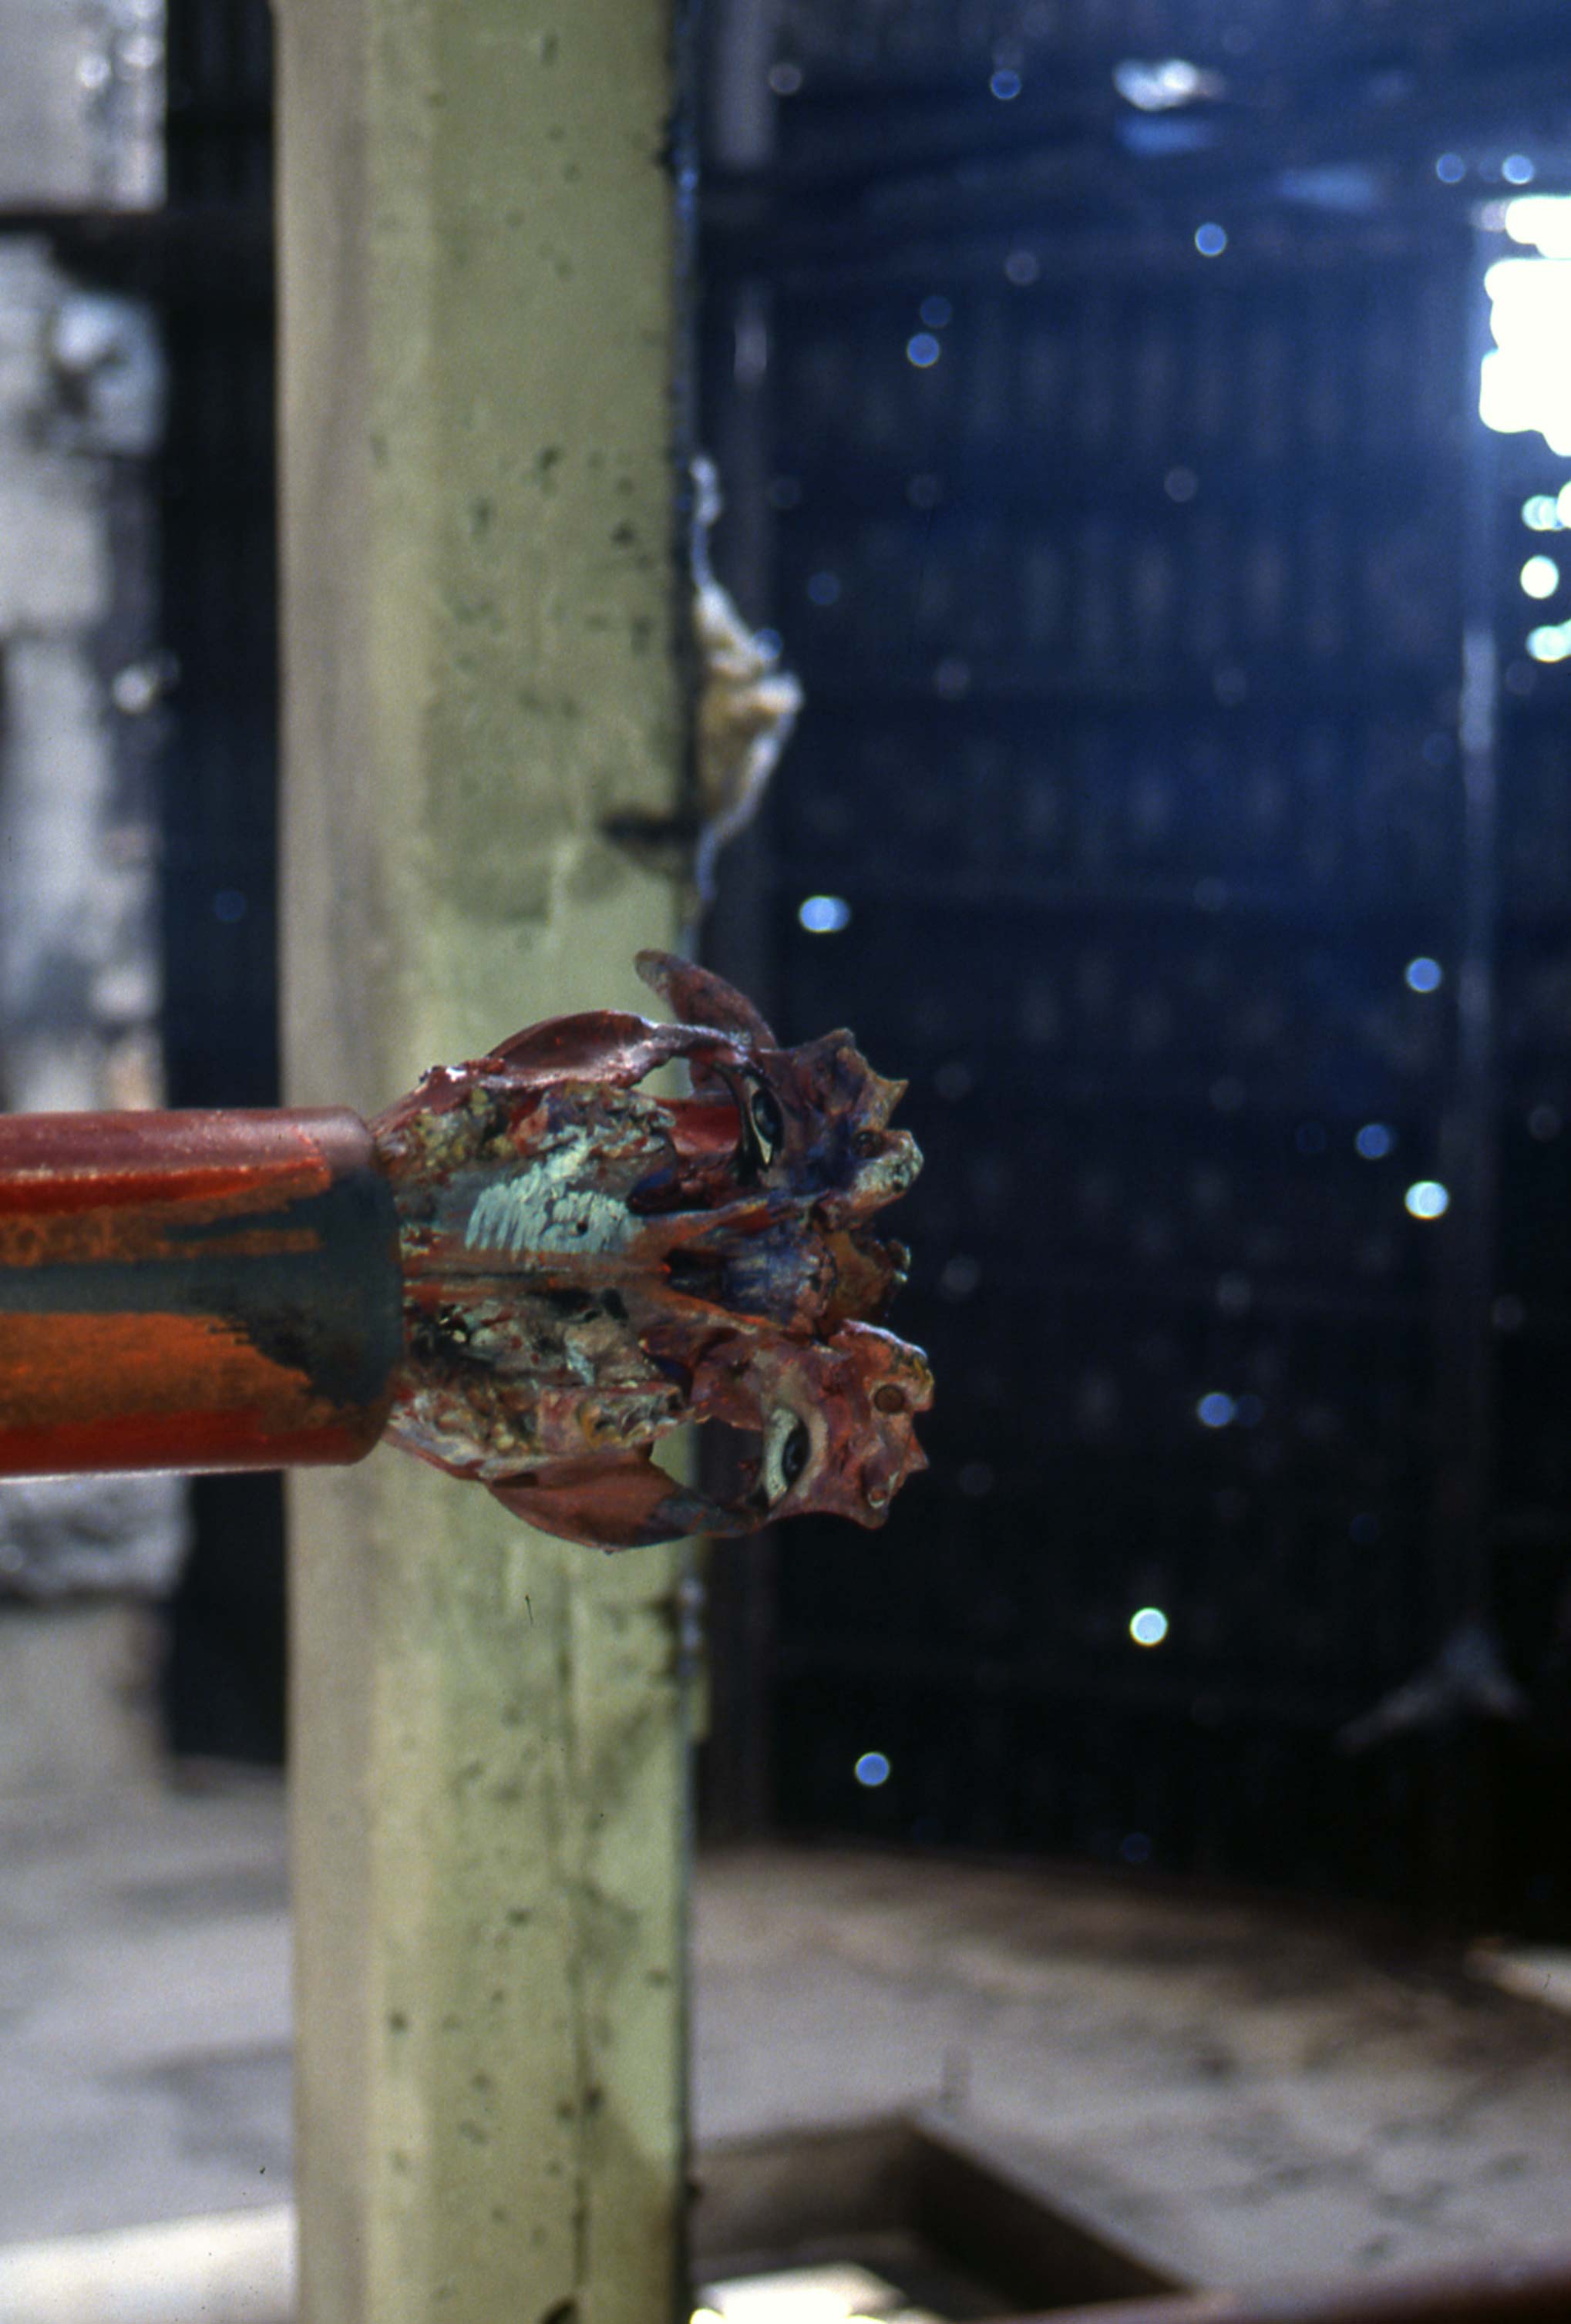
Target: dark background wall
[
  {"x": 1114, "y": 474},
  {"x": 224, "y": 1686},
  {"x": 1112, "y": 470}
]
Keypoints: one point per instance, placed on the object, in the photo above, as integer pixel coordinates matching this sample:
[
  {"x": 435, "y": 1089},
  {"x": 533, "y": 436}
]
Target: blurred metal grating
[
  {"x": 1122, "y": 501},
  {"x": 219, "y": 774}
]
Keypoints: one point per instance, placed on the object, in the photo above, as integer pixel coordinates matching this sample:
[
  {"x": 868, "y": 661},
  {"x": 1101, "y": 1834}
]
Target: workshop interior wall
[{"x": 82, "y": 384}]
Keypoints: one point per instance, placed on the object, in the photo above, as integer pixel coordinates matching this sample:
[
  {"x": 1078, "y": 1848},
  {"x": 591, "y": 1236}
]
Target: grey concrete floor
[
  {"x": 144, "y": 2019},
  {"x": 1254, "y": 2092}
]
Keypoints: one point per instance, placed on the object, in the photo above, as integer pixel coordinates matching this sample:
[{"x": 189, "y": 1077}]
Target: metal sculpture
[
  {"x": 589, "y": 1264},
  {"x": 533, "y": 1270}
]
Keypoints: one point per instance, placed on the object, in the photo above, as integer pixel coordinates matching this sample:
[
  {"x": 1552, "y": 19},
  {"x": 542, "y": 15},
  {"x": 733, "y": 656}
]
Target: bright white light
[
  {"x": 1541, "y": 513},
  {"x": 871, "y": 1770},
  {"x": 1216, "y": 1410},
  {"x": 1540, "y": 576},
  {"x": 1159, "y": 87},
  {"x": 836, "y": 2294},
  {"x": 824, "y": 916},
  {"x": 1552, "y": 643},
  {"x": 1423, "y": 974},
  {"x": 1562, "y": 508},
  {"x": 1427, "y": 1199},
  {"x": 1542, "y": 221},
  {"x": 1525, "y": 380},
  {"x": 785, "y": 2303},
  {"x": 1148, "y": 1627}
]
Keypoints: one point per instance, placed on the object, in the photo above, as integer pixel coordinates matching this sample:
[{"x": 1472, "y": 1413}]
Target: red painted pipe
[{"x": 193, "y": 1291}]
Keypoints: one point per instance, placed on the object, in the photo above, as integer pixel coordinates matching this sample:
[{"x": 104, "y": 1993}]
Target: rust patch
[{"x": 154, "y": 1391}]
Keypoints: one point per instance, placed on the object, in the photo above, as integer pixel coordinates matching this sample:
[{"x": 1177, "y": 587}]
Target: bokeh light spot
[{"x": 824, "y": 916}]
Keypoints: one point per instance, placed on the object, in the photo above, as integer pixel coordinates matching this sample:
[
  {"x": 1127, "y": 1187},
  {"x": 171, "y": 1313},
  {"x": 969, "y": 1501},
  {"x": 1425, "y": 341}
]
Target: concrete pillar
[{"x": 489, "y": 1737}]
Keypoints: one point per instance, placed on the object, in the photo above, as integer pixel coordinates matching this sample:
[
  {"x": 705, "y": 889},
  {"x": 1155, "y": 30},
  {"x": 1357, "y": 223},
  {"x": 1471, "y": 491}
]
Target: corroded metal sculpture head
[{"x": 589, "y": 1265}]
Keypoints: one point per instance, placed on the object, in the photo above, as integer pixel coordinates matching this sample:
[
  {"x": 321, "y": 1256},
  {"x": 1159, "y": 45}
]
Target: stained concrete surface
[
  {"x": 1251, "y": 2091},
  {"x": 144, "y": 2024}
]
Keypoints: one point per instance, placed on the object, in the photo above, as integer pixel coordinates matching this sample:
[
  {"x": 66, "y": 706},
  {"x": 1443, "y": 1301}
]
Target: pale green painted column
[{"x": 489, "y": 1730}]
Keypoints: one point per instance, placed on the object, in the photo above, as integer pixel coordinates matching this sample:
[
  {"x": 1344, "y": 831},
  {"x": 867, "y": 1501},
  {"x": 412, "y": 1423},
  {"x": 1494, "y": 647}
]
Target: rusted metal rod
[
  {"x": 193, "y": 1291},
  {"x": 1534, "y": 2289},
  {"x": 528, "y": 1270}
]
